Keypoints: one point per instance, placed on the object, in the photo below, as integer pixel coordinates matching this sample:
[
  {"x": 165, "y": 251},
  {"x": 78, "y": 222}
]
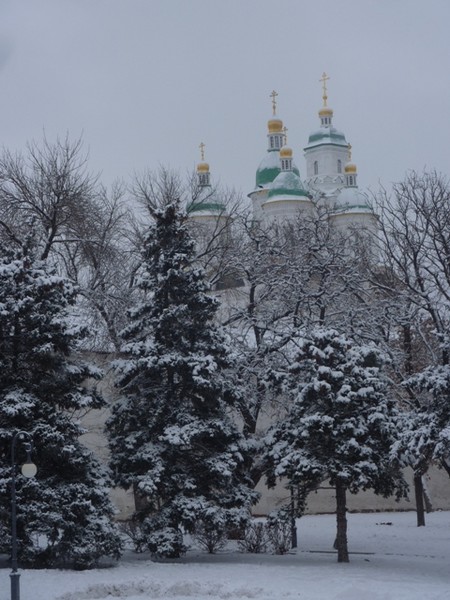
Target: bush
[
  {"x": 273, "y": 535},
  {"x": 211, "y": 539},
  {"x": 255, "y": 538},
  {"x": 279, "y": 533}
]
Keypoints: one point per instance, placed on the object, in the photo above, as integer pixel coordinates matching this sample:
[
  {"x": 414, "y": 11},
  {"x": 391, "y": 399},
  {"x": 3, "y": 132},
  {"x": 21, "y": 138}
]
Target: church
[{"x": 280, "y": 192}]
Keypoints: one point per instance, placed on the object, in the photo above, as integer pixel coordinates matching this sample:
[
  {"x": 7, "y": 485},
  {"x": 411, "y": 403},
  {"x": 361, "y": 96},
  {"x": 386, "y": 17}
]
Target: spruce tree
[
  {"x": 64, "y": 513},
  {"x": 172, "y": 437},
  {"x": 341, "y": 425}
]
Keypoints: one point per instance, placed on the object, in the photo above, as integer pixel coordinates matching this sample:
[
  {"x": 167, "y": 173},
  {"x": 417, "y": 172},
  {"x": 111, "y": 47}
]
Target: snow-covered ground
[{"x": 391, "y": 559}]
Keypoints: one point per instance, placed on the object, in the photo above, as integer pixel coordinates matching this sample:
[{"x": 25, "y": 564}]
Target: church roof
[
  {"x": 351, "y": 198},
  {"x": 326, "y": 135},
  {"x": 269, "y": 168},
  {"x": 287, "y": 183}
]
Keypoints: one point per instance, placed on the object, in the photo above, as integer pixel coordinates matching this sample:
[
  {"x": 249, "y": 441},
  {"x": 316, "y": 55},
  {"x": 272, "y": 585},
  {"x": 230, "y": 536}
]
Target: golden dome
[
  {"x": 350, "y": 168},
  {"x": 326, "y": 111},
  {"x": 275, "y": 125},
  {"x": 286, "y": 152},
  {"x": 203, "y": 167}
]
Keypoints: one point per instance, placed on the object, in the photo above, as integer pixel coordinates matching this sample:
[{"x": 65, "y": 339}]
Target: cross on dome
[
  {"x": 324, "y": 80},
  {"x": 202, "y": 151},
  {"x": 273, "y": 95}
]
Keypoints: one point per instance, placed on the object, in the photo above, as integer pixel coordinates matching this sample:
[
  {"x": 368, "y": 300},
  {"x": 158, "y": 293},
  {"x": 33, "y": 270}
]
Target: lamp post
[{"x": 28, "y": 470}]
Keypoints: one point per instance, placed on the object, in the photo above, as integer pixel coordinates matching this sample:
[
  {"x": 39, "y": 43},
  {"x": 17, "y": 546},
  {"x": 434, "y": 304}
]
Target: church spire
[
  {"x": 203, "y": 173},
  {"x": 350, "y": 170},
  {"x": 275, "y": 126},
  {"x": 325, "y": 113}
]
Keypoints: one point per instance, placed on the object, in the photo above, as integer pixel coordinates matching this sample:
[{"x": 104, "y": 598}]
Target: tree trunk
[
  {"x": 293, "y": 521},
  {"x": 420, "y": 508},
  {"x": 341, "y": 519},
  {"x": 426, "y": 496}
]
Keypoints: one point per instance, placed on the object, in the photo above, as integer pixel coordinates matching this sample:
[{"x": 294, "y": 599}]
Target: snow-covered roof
[
  {"x": 287, "y": 183},
  {"x": 326, "y": 135}
]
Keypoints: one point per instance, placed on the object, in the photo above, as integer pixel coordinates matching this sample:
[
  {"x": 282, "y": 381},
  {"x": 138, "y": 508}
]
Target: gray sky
[{"x": 145, "y": 81}]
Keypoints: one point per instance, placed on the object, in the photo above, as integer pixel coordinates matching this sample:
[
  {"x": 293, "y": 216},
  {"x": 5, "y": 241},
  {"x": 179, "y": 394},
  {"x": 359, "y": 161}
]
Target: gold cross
[
  {"x": 285, "y": 130},
  {"x": 349, "y": 153},
  {"x": 202, "y": 151},
  {"x": 273, "y": 95},
  {"x": 324, "y": 80}
]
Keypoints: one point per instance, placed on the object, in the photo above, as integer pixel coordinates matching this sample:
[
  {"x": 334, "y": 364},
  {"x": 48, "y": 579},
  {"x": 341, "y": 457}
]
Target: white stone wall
[
  {"x": 327, "y": 156},
  {"x": 286, "y": 209}
]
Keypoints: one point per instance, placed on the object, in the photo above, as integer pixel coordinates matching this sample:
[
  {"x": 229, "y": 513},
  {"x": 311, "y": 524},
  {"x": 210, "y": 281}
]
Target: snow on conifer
[
  {"x": 172, "y": 438},
  {"x": 341, "y": 424},
  {"x": 64, "y": 513}
]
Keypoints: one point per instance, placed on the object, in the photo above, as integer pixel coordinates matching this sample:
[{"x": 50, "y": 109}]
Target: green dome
[
  {"x": 327, "y": 135},
  {"x": 268, "y": 169},
  {"x": 206, "y": 202},
  {"x": 196, "y": 207},
  {"x": 287, "y": 183},
  {"x": 352, "y": 198}
]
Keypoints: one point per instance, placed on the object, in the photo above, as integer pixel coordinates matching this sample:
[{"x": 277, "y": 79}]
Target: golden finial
[
  {"x": 202, "y": 151},
  {"x": 273, "y": 95},
  {"x": 324, "y": 80},
  {"x": 349, "y": 152},
  {"x": 285, "y": 130}
]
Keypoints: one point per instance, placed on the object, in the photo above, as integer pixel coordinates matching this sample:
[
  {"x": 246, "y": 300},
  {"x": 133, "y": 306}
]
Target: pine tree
[
  {"x": 425, "y": 434},
  {"x": 341, "y": 426},
  {"x": 172, "y": 437},
  {"x": 64, "y": 513}
]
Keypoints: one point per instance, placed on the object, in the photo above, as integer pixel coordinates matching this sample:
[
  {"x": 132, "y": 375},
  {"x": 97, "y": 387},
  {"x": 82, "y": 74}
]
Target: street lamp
[{"x": 28, "y": 470}]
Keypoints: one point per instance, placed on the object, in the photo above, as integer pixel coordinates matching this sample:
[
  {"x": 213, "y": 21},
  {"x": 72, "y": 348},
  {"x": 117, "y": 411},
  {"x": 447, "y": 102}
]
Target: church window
[
  {"x": 316, "y": 167},
  {"x": 350, "y": 180},
  {"x": 271, "y": 142},
  {"x": 339, "y": 166}
]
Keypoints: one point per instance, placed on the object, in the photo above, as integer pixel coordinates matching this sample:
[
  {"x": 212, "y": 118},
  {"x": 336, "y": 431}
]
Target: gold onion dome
[
  {"x": 286, "y": 152},
  {"x": 275, "y": 125},
  {"x": 326, "y": 111}
]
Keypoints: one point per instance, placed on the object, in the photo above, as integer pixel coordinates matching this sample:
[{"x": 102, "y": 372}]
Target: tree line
[{"x": 242, "y": 352}]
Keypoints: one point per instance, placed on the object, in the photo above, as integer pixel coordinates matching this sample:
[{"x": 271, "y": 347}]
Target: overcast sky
[{"x": 145, "y": 81}]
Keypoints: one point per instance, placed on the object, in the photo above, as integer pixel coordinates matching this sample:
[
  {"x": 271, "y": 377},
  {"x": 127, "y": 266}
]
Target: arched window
[
  {"x": 316, "y": 167},
  {"x": 339, "y": 166}
]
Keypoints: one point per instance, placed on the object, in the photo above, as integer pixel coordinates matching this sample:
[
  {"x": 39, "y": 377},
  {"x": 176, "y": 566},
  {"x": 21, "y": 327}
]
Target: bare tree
[
  {"x": 295, "y": 275},
  {"x": 77, "y": 225},
  {"x": 415, "y": 238}
]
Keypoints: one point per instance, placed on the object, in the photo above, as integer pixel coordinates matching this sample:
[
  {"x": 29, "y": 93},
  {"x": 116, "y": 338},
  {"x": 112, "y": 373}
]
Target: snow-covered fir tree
[
  {"x": 172, "y": 435},
  {"x": 341, "y": 424},
  {"x": 64, "y": 513},
  {"x": 425, "y": 433}
]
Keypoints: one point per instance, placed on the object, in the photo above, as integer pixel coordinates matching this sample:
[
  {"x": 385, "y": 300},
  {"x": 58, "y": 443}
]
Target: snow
[{"x": 391, "y": 559}]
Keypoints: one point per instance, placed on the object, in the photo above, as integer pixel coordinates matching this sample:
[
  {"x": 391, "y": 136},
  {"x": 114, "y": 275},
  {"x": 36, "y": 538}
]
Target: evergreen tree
[
  {"x": 341, "y": 425},
  {"x": 172, "y": 437},
  {"x": 425, "y": 435},
  {"x": 64, "y": 513}
]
